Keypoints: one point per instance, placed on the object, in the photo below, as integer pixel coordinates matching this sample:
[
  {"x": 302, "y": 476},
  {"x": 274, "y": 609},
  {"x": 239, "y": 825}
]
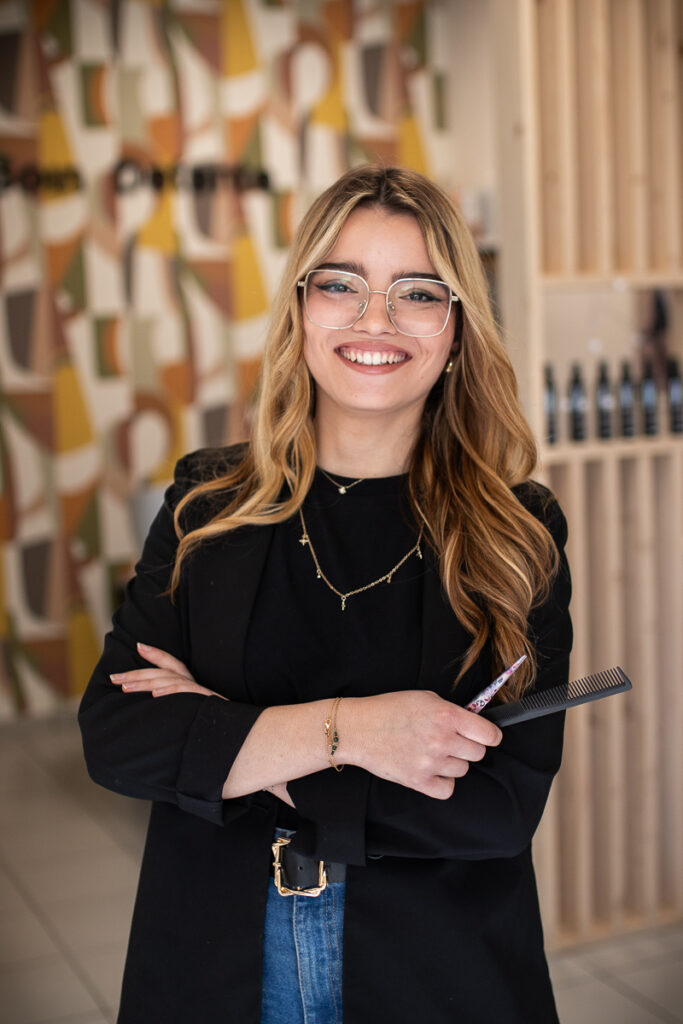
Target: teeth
[{"x": 372, "y": 358}]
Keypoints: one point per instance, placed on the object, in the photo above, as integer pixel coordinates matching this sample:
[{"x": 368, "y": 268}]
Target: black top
[{"x": 301, "y": 646}]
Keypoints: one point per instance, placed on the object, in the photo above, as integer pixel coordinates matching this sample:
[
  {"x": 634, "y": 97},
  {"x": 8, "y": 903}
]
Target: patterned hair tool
[{"x": 482, "y": 699}]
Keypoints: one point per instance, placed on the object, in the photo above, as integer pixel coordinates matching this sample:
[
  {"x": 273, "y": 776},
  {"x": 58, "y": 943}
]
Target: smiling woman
[{"x": 331, "y": 596}]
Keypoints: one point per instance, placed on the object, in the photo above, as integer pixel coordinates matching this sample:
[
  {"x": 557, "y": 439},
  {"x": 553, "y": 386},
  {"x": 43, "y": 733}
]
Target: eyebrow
[{"x": 352, "y": 267}]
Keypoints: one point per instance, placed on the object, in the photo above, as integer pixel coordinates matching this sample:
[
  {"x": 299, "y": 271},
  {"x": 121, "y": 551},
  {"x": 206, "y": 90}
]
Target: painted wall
[{"x": 154, "y": 160}]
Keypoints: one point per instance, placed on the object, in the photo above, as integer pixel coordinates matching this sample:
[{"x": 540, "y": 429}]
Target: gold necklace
[
  {"x": 386, "y": 578},
  {"x": 342, "y": 488}
]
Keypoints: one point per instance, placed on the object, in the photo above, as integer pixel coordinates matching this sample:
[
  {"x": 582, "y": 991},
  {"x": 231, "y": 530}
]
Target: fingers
[
  {"x": 163, "y": 660},
  {"x": 158, "y": 683},
  {"x": 476, "y": 728}
]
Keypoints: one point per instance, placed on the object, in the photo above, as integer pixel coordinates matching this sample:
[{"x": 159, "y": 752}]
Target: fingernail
[
  {"x": 144, "y": 647},
  {"x": 115, "y": 676}
]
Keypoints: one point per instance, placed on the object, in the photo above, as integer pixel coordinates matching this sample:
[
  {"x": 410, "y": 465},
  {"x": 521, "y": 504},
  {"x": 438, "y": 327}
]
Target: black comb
[{"x": 557, "y": 698}]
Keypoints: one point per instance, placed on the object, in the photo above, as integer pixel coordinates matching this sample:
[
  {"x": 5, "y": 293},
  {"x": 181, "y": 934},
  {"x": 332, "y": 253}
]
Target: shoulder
[
  {"x": 201, "y": 467},
  {"x": 206, "y": 464},
  {"x": 544, "y": 506}
]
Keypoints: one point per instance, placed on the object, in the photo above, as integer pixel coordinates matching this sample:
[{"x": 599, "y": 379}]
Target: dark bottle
[
  {"x": 627, "y": 402},
  {"x": 550, "y": 406},
  {"x": 577, "y": 405},
  {"x": 674, "y": 389},
  {"x": 603, "y": 404},
  {"x": 648, "y": 400}
]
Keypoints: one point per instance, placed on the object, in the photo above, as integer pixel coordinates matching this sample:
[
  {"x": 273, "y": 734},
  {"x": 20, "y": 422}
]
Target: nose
[{"x": 375, "y": 319}]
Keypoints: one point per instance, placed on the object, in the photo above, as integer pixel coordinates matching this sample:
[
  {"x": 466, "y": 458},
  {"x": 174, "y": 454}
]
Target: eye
[
  {"x": 421, "y": 295},
  {"x": 334, "y": 287}
]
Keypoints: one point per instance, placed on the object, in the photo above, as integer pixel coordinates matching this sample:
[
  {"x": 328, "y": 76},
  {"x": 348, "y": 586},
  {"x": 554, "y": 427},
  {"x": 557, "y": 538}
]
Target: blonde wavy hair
[{"x": 496, "y": 559}]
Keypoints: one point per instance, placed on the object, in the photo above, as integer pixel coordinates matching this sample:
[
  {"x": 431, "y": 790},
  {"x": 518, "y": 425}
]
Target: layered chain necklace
[
  {"x": 342, "y": 488},
  {"x": 305, "y": 541}
]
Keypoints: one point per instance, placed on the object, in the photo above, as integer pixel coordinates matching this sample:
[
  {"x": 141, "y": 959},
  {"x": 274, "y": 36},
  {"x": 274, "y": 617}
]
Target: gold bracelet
[{"x": 331, "y": 734}]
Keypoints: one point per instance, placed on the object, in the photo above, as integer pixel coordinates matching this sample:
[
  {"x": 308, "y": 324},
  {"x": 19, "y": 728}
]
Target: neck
[{"x": 364, "y": 446}]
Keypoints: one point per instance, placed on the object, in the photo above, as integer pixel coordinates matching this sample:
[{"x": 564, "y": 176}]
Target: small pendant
[
  {"x": 342, "y": 490},
  {"x": 319, "y": 574},
  {"x": 418, "y": 550},
  {"x": 303, "y": 539},
  {"x": 343, "y": 601},
  {"x": 389, "y": 577}
]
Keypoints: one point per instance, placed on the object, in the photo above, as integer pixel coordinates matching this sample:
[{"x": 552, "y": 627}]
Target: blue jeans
[{"x": 302, "y": 957}]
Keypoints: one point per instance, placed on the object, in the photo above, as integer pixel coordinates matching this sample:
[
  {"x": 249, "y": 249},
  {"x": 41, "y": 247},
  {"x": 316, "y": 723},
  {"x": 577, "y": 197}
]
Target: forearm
[
  {"x": 411, "y": 737},
  {"x": 285, "y": 743}
]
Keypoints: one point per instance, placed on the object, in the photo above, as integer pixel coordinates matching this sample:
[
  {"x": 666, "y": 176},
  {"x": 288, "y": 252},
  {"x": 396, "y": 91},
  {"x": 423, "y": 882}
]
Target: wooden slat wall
[
  {"x": 614, "y": 827},
  {"x": 591, "y": 122},
  {"x": 609, "y": 86}
]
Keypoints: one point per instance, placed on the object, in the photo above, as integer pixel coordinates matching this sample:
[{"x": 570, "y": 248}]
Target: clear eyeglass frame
[{"x": 377, "y": 291}]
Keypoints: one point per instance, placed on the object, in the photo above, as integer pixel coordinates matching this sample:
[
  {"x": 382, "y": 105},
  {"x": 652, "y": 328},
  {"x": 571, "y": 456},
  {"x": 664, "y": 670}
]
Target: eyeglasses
[{"x": 337, "y": 299}]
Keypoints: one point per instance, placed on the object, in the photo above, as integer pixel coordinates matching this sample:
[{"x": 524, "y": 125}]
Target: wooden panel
[
  {"x": 608, "y": 750},
  {"x": 629, "y": 90},
  {"x": 616, "y": 814},
  {"x": 557, "y": 115},
  {"x": 594, "y": 137},
  {"x": 669, "y": 569},
  {"x": 663, "y": 138}
]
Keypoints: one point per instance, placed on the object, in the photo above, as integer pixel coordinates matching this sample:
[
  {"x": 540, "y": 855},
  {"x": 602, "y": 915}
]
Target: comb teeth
[
  {"x": 584, "y": 687},
  {"x": 557, "y": 698}
]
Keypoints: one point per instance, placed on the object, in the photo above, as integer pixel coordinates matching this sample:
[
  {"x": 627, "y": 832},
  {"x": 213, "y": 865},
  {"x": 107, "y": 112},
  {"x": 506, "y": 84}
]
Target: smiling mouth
[{"x": 372, "y": 358}]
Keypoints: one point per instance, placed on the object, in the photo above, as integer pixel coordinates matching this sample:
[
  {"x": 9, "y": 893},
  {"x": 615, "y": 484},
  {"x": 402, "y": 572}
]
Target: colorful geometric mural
[{"x": 154, "y": 160}]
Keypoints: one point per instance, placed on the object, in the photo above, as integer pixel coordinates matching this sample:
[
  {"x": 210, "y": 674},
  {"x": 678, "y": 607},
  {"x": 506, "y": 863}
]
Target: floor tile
[
  {"x": 624, "y": 951},
  {"x": 111, "y": 870},
  {"x": 104, "y": 970},
  {"x": 88, "y": 923},
  {"x": 660, "y": 983},
  {"x": 567, "y": 970},
  {"x": 41, "y": 991},
  {"x": 23, "y": 937},
  {"x": 11, "y": 899},
  {"x": 592, "y": 1002},
  {"x": 39, "y": 843}
]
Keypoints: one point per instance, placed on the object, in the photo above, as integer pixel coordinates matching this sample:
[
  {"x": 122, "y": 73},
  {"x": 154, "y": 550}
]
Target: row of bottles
[{"x": 630, "y": 408}]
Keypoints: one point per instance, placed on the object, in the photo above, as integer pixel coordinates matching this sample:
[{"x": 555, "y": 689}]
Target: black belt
[{"x": 298, "y": 875}]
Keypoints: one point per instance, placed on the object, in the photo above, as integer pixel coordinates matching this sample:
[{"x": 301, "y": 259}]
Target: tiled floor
[{"x": 69, "y": 853}]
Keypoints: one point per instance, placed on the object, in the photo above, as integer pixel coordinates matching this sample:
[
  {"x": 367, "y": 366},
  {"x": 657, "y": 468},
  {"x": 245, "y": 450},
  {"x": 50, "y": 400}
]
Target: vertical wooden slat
[
  {"x": 606, "y": 650},
  {"x": 546, "y": 840},
  {"x": 630, "y": 161},
  {"x": 557, "y": 135},
  {"x": 594, "y": 137},
  {"x": 641, "y": 657},
  {"x": 669, "y": 568},
  {"x": 575, "y": 777},
  {"x": 664, "y": 138}
]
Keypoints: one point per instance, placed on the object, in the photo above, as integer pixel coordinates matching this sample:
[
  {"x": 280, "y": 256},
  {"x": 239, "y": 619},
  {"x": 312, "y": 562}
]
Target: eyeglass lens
[{"x": 337, "y": 300}]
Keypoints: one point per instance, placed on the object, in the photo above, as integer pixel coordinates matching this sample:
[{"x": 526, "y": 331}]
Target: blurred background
[{"x": 155, "y": 157}]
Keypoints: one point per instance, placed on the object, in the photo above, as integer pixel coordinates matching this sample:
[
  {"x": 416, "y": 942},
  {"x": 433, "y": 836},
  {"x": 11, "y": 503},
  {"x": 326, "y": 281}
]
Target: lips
[{"x": 372, "y": 357}]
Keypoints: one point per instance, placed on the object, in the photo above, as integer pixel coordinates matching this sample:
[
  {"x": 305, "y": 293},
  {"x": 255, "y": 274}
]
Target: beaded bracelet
[{"x": 331, "y": 734}]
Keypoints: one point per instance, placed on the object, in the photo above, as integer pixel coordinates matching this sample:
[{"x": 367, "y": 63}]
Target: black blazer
[{"x": 441, "y": 923}]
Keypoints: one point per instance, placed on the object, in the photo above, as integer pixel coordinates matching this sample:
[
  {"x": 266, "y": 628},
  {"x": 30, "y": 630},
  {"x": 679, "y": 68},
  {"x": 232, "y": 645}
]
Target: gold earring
[{"x": 449, "y": 366}]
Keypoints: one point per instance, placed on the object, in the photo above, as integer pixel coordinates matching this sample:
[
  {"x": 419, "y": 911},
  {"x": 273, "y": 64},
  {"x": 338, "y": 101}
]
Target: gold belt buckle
[{"x": 277, "y": 873}]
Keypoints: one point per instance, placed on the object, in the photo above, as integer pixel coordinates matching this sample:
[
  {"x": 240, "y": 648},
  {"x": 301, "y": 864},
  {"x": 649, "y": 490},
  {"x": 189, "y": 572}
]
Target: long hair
[{"x": 496, "y": 559}]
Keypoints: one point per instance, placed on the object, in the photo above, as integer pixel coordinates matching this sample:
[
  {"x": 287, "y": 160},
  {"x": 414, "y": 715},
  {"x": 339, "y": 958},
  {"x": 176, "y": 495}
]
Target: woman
[{"x": 330, "y": 596}]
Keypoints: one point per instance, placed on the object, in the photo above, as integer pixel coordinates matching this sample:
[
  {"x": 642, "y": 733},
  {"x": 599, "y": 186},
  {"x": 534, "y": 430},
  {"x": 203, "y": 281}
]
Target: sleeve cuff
[
  {"x": 217, "y": 734},
  {"x": 336, "y": 803}
]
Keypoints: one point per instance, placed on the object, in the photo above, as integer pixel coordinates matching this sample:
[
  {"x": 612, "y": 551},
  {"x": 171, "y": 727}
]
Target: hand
[
  {"x": 415, "y": 738},
  {"x": 169, "y": 676}
]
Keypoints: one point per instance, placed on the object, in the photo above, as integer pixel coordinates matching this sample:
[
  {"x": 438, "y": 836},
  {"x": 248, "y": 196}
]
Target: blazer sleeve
[
  {"x": 494, "y": 809},
  {"x": 178, "y": 749}
]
